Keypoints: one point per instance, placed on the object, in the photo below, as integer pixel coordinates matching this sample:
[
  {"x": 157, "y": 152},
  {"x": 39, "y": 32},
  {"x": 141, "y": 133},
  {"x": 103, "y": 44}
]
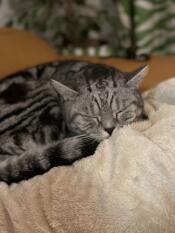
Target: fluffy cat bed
[{"x": 128, "y": 185}]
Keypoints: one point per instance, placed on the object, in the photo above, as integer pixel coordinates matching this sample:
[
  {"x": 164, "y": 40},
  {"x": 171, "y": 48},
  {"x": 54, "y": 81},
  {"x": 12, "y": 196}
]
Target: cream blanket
[{"x": 128, "y": 186}]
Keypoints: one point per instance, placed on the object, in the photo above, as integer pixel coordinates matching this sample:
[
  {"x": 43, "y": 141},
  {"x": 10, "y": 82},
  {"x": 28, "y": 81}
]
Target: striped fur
[{"x": 45, "y": 123}]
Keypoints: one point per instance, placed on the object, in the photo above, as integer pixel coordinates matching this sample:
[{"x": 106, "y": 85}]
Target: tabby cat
[{"x": 57, "y": 113}]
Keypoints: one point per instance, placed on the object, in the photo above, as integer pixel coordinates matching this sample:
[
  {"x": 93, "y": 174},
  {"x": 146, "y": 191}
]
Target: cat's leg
[{"x": 34, "y": 162}]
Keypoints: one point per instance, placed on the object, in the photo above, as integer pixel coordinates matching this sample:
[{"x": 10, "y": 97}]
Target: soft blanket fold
[{"x": 127, "y": 186}]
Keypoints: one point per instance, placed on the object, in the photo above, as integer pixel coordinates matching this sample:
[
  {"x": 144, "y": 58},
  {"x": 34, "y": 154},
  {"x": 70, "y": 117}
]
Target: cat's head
[{"x": 109, "y": 101}]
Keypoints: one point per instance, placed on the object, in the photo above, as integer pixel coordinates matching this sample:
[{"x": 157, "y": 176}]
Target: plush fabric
[{"x": 128, "y": 185}]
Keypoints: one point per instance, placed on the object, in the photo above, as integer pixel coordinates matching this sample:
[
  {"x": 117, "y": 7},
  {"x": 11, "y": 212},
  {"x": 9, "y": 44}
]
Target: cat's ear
[
  {"x": 66, "y": 92},
  {"x": 136, "y": 77}
]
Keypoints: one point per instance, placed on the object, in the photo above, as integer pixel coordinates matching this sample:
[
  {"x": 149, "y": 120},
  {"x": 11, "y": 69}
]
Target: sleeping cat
[{"x": 57, "y": 113}]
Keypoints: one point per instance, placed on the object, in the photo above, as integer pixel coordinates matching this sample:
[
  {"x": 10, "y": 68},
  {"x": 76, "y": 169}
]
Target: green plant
[{"x": 70, "y": 23}]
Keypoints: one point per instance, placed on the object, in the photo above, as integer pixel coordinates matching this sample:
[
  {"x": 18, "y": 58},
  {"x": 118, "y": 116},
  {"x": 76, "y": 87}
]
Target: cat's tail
[{"x": 29, "y": 164}]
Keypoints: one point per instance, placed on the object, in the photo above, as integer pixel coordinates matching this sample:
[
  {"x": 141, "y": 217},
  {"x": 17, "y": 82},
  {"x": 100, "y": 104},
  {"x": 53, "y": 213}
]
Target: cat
[{"x": 57, "y": 113}]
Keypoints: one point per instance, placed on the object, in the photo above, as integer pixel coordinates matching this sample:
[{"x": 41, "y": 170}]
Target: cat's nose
[
  {"x": 109, "y": 130},
  {"x": 145, "y": 116}
]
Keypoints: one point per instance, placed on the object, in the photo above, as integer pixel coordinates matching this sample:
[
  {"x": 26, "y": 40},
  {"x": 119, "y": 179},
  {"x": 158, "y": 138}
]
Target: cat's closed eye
[
  {"x": 80, "y": 120},
  {"x": 83, "y": 121},
  {"x": 126, "y": 117}
]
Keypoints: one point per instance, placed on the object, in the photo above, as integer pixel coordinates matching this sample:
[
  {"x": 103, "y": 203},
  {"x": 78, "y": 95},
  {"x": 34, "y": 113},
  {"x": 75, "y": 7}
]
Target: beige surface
[
  {"x": 128, "y": 185},
  {"x": 20, "y": 49}
]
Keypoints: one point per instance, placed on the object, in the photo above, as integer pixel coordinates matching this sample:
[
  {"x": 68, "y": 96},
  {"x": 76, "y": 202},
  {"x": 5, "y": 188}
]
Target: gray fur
[{"x": 57, "y": 113}]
